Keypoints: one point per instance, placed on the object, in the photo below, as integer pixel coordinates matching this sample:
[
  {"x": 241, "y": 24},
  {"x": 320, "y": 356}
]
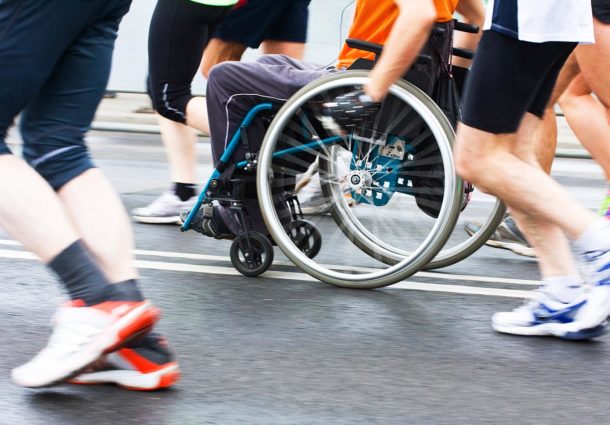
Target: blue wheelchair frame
[{"x": 236, "y": 140}]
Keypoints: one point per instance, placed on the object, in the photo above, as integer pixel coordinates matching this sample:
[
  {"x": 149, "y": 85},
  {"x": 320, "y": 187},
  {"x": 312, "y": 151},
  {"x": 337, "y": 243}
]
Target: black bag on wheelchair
[
  {"x": 431, "y": 73},
  {"x": 429, "y": 175}
]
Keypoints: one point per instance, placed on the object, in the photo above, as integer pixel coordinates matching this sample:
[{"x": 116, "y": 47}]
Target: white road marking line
[
  {"x": 194, "y": 268},
  {"x": 431, "y": 275},
  {"x": 22, "y": 255},
  {"x": 8, "y": 242},
  {"x": 467, "y": 290},
  {"x": 485, "y": 279}
]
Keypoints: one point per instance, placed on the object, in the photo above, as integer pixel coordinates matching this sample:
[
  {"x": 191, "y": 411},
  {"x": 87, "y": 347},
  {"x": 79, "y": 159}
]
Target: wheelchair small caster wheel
[
  {"x": 306, "y": 237},
  {"x": 251, "y": 253}
]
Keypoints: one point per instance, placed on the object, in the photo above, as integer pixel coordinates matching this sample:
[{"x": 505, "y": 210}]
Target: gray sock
[{"x": 79, "y": 274}]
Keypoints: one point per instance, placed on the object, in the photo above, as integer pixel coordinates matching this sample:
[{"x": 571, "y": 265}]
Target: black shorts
[
  {"x": 601, "y": 10},
  {"x": 508, "y": 78},
  {"x": 258, "y": 20}
]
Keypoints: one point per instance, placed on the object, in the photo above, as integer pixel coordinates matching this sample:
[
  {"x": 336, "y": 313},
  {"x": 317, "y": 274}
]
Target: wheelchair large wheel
[
  {"x": 483, "y": 210},
  {"x": 390, "y": 180}
]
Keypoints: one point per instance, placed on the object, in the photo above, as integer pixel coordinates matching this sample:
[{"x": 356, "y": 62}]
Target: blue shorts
[
  {"x": 56, "y": 58},
  {"x": 259, "y": 20}
]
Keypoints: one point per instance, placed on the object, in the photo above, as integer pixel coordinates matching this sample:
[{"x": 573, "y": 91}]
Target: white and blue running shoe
[
  {"x": 597, "y": 308},
  {"x": 548, "y": 317}
]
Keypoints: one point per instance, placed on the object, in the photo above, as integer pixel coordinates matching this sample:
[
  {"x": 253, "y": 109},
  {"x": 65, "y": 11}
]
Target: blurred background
[{"x": 328, "y": 24}]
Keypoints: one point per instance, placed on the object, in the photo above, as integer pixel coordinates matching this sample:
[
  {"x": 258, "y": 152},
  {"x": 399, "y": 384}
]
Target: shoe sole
[
  {"x": 515, "y": 247},
  {"x": 133, "y": 325},
  {"x": 132, "y": 380},
  {"x": 559, "y": 330},
  {"x": 157, "y": 220}
]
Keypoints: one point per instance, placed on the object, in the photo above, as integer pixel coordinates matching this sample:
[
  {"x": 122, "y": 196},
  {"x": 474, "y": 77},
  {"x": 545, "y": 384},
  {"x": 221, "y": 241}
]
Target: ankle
[
  {"x": 565, "y": 289},
  {"x": 184, "y": 191},
  {"x": 80, "y": 275},
  {"x": 595, "y": 237},
  {"x": 124, "y": 291}
]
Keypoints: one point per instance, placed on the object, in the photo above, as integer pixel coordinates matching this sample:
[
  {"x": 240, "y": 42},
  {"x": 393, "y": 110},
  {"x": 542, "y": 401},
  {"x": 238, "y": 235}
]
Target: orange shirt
[{"x": 373, "y": 21}]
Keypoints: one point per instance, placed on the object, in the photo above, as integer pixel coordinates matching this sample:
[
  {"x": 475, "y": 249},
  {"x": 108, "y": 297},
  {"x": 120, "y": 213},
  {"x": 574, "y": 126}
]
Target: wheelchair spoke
[{"x": 365, "y": 177}]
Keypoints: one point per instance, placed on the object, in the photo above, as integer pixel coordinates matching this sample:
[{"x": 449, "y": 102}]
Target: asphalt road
[{"x": 287, "y": 350}]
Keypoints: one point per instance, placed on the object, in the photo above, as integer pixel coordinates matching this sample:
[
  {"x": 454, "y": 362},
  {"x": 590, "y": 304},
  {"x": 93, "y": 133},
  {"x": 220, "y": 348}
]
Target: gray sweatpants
[{"x": 234, "y": 88}]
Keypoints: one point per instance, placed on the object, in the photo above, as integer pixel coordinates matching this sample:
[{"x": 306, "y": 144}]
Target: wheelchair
[{"x": 395, "y": 197}]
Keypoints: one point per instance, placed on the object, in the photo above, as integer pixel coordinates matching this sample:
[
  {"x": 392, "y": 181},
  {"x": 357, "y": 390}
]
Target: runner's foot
[
  {"x": 547, "y": 316},
  {"x": 145, "y": 365},
  {"x": 165, "y": 209},
  {"x": 507, "y": 236},
  {"x": 597, "y": 309},
  {"x": 81, "y": 336}
]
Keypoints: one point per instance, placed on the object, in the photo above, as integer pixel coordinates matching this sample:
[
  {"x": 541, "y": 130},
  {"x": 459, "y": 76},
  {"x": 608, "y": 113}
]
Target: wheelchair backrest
[{"x": 433, "y": 61}]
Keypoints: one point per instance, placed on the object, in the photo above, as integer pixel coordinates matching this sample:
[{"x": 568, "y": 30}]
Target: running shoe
[
  {"x": 81, "y": 336},
  {"x": 604, "y": 209},
  {"x": 546, "y": 316},
  {"x": 507, "y": 236},
  {"x": 166, "y": 209},
  {"x": 145, "y": 366},
  {"x": 597, "y": 309}
]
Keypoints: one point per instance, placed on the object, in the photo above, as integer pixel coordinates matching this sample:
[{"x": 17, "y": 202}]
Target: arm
[{"x": 407, "y": 38}]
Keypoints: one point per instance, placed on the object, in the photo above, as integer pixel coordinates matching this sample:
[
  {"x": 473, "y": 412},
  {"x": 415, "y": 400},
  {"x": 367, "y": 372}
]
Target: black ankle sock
[
  {"x": 184, "y": 191},
  {"x": 81, "y": 277},
  {"x": 124, "y": 291}
]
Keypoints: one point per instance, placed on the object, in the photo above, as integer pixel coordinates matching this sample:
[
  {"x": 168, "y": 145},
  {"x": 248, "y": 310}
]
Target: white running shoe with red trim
[
  {"x": 81, "y": 336},
  {"x": 142, "y": 368}
]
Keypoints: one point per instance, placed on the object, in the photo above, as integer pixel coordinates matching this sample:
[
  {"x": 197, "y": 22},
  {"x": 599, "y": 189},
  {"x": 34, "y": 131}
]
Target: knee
[
  {"x": 170, "y": 99},
  {"x": 58, "y": 156},
  {"x": 220, "y": 73}
]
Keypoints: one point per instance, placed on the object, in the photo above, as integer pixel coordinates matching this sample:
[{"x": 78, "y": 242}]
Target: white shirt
[{"x": 540, "y": 21}]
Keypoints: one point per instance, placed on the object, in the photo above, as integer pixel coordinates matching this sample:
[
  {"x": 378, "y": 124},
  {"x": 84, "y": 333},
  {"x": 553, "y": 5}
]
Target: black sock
[
  {"x": 81, "y": 277},
  {"x": 184, "y": 191},
  {"x": 125, "y": 291}
]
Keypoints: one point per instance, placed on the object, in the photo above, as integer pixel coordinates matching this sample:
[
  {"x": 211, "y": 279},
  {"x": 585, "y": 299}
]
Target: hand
[{"x": 348, "y": 110}]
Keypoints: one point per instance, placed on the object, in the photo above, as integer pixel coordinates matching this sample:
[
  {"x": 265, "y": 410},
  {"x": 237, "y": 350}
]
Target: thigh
[
  {"x": 218, "y": 51},
  {"x": 594, "y": 61},
  {"x": 33, "y": 36},
  {"x": 249, "y": 24},
  {"x": 55, "y": 120},
  {"x": 569, "y": 71},
  {"x": 289, "y": 63},
  {"x": 235, "y": 87},
  {"x": 508, "y": 78},
  {"x": 291, "y": 25},
  {"x": 179, "y": 32}
]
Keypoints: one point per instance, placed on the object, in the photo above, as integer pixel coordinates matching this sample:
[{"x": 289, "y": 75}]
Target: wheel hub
[{"x": 360, "y": 180}]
